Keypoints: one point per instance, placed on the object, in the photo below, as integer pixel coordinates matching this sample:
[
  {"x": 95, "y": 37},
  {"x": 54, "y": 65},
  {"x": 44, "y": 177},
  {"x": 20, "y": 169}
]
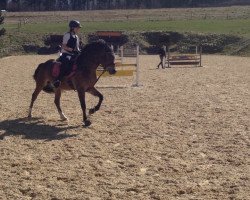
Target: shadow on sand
[{"x": 34, "y": 129}]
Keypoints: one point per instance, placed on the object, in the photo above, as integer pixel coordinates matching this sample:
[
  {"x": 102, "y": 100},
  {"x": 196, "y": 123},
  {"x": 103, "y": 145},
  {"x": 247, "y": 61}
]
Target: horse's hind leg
[
  {"x": 34, "y": 97},
  {"x": 57, "y": 102},
  {"x": 95, "y": 92}
]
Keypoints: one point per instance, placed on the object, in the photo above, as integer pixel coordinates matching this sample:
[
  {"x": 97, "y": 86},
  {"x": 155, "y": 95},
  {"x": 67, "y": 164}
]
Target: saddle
[{"x": 56, "y": 69}]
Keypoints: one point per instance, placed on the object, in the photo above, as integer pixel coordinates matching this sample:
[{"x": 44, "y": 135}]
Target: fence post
[
  {"x": 200, "y": 55},
  {"x": 168, "y": 57},
  {"x": 165, "y": 54}
]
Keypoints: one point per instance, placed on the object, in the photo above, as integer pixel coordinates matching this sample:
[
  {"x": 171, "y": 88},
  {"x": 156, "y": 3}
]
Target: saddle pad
[{"x": 56, "y": 69}]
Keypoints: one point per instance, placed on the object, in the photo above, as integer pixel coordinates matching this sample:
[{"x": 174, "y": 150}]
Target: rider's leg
[{"x": 65, "y": 63}]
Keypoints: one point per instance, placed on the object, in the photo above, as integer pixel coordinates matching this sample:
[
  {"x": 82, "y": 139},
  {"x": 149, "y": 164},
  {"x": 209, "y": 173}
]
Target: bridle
[{"x": 104, "y": 69}]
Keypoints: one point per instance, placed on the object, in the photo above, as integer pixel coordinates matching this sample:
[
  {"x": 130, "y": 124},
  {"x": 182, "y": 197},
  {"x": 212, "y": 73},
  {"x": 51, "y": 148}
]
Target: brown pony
[{"x": 84, "y": 80}]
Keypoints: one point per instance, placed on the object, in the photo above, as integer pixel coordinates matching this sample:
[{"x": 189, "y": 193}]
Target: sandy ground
[{"x": 183, "y": 135}]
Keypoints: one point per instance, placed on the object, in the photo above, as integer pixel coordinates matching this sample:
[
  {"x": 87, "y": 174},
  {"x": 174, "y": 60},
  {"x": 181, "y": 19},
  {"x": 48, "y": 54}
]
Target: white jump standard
[{"x": 120, "y": 65}]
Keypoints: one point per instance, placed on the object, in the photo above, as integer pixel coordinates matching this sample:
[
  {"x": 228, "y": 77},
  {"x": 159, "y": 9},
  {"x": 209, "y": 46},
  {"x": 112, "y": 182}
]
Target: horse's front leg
[
  {"x": 81, "y": 95},
  {"x": 96, "y": 93},
  {"x": 57, "y": 102}
]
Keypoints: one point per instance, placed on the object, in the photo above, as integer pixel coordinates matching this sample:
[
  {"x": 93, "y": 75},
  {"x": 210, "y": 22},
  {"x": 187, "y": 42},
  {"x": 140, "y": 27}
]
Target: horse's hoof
[
  {"x": 91, "y": 111},
  {"x": 64, "y": 119},
  {"x": 87, "y": 123}
]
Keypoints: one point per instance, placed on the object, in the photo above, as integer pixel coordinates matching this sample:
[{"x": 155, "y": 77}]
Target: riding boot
[
  {"x": 58, "y": 81},
  {"x": 63, "y": 71}
]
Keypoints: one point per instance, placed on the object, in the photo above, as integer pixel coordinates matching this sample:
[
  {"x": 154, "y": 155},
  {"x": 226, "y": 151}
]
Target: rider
[
  {"x": 162, "y": 55},
  {"x": 70, "y": 49}
]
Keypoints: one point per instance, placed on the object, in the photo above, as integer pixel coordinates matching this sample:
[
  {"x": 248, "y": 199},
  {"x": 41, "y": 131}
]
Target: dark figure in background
[{"x": 162, "y": 55}]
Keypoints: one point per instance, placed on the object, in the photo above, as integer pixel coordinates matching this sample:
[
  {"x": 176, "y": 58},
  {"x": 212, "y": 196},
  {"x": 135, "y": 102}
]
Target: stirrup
[{"x": 57, "y": 83}]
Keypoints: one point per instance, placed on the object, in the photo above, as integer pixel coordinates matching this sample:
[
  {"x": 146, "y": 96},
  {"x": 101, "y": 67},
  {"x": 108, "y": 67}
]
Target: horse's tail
[{"x": 40, "y": 66}]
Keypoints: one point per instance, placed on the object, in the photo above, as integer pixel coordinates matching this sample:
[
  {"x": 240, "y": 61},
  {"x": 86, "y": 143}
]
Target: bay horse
[{"x": 84, "y": 79}]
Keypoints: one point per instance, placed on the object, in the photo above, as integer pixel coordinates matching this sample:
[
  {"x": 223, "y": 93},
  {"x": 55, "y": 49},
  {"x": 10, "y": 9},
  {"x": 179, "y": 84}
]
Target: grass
[
  {"x": 213, "y": 13},
  {"x": 239, "y": 27},
  {"x": 233, "y": 20},
  {"x": 222, "y": 20}
]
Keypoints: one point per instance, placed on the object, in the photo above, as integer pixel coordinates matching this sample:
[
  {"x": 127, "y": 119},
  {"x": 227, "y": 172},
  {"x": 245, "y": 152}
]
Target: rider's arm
[{"x": 65, "y": 47}]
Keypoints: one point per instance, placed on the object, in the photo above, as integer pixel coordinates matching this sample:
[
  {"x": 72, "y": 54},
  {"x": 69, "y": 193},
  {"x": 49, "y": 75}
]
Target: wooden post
[
  {"x": 137, "y": 66},
  {"x": 196, "y": 54},
  {"x": 200, "y": 55},
  {"x": 121, "y": 49}
]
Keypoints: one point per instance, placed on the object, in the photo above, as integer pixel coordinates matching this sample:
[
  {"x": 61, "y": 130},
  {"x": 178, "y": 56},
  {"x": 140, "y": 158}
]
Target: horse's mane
[{"x": 89, "y": 53}]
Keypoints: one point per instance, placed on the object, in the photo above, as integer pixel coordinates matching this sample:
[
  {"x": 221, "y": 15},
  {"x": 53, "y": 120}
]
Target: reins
[{"x": 104, "y": 70}]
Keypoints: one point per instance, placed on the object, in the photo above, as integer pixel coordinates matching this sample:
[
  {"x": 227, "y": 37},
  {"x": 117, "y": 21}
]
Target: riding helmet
[{"x": 74, "y": 24}]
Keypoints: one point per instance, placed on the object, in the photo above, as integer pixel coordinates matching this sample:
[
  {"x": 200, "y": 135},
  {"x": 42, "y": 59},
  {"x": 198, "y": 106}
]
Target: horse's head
[
  {"x": 98, "y": 53},
  {"x": 107, "y": 58}
]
